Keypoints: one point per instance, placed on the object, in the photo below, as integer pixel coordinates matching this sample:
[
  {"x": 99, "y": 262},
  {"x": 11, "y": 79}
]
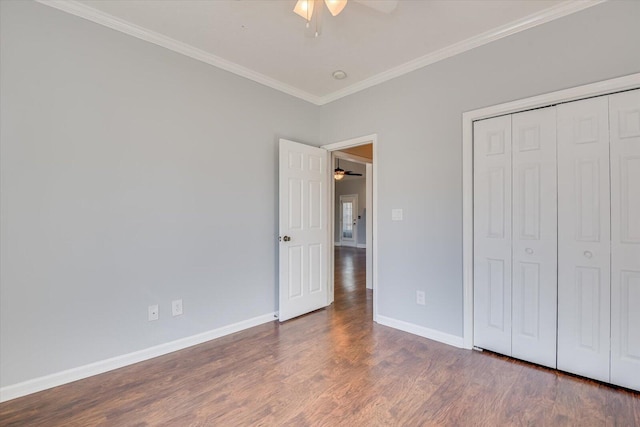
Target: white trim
[
  {"x": 337, "y": 243},
  {"x": 353, "y": 142},
  {"x": 631, "y": 81},
  {"x": 361, "y": 246},
  {"x": 372, "y": 216},
  {"x": 412, "y": 328},
  {"x": 77, "y": 8},
  {"x": 542, "y": 17},
  {"x": 81, "y": 372},
  {"x": 352, "y": 157},
  {"x": 94, "y": 15},
  {"x": 369, "y": 225}
]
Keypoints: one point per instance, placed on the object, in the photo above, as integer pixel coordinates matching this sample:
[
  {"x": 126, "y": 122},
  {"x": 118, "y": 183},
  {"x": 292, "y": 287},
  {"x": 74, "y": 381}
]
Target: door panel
[
  {"x": 530, "y": 302},
  {"x": 303, "y": 220},
  {"x": 492, "y": 234},
  {"x": 624, "y": 116},
  {"x": 584, "y": 238},
  {"x": 497, "y": 291},
  {"x": 296, "y": 269},
  {"x": 588, "y": 286},
  {"x": 534, "y": 255}
]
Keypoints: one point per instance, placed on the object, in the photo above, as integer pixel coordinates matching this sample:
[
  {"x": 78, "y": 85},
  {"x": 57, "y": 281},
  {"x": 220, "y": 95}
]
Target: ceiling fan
[
  {"x": 338, "y": 173},
  {"x": 305, "y": 8}
]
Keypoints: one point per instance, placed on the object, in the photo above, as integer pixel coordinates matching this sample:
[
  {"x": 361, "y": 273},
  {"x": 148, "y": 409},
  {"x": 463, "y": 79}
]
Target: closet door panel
[
  {"x": 492, "y": 234},
  {"x": 584, "y": 238},
  {"x": 534, "y": 278},
  {"x": 624, "y": 116}
]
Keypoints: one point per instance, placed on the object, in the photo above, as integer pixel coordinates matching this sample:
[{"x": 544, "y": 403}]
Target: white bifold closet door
[
  {"x": 584, "y": 238},
  {"x": 624, "y": 118},
  {"x": 515, "y": 235},
  {"x": 534, "y": 237},
  {"x": 492, "y": 234},
  {"x": 599, "y": 238}
]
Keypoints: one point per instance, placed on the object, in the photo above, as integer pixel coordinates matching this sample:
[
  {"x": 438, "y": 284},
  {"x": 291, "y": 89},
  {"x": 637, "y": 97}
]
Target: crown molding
[
  {"x": 83, "y": 11},
  {"x": 542, "y": 17},
  {"x": 77, "y": 8}
]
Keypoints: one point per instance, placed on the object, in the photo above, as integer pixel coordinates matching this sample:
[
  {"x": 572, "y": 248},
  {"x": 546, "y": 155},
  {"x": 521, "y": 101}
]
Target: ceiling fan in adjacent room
[
  {"x": 306, "y": 8},
  {"x": 338, "y": 173}
]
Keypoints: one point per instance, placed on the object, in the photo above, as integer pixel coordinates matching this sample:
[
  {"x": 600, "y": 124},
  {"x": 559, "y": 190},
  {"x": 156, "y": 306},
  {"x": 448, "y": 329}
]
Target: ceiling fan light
[
  {"x": 304, "y": 8},
  {"x": 335, "y": 6},
  {"x": 338, "y": 175}
]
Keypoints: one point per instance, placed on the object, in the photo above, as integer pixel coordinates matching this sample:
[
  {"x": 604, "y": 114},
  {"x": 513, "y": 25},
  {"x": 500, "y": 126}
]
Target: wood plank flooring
[{"x": 333, "y": 367}]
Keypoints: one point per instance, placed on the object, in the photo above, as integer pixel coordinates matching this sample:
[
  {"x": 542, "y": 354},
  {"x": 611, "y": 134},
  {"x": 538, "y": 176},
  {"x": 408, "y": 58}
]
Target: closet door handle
[
  {"x": 529, "y": 251},
  {"x": 588, "y": 254}
]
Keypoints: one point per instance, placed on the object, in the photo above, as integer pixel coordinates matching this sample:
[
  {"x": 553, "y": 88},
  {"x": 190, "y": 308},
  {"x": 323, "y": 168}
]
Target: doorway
[{"x": 354, "y": 151}]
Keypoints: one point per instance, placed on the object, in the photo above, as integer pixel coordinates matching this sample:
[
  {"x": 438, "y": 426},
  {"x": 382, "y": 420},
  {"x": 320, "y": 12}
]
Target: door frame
[
  {"x": 605, "y": 87},
  {"x": 354, "y": 213},
  {"x": 372, "y": 212}
]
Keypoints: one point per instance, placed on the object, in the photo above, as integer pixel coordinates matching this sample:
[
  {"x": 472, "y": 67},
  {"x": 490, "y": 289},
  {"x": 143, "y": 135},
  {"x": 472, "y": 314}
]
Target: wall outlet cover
[
  {"x": 153, "y": 312},
  {"x": 176, "y": 307}
]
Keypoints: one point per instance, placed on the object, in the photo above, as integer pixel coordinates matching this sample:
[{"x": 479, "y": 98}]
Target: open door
[{"x": 303, "y": 229}]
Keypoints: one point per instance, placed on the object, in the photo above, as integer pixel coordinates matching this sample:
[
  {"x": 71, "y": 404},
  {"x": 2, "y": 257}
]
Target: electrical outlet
[
  {"x": 420, "y": 298},
  {"x": 153, "y": 312},
  {"x": 176, "y": 307}
]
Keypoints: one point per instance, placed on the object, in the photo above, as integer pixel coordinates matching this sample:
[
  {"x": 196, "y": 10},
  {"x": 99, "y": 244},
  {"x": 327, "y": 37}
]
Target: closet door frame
[{"x": 629, "y": 82}]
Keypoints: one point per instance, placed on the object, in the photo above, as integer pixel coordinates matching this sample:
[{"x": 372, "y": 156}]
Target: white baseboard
[
  {"x": 74, "y": 374},
  {"x": 412, "y": 328},
  {"x": 349, "y": 246},
  {"x": 358, "y": 245}
]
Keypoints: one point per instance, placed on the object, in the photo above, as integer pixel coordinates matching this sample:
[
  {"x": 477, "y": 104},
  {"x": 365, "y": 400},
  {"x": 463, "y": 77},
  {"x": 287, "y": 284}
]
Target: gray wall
[
  {"x": 119, "y": 183},
  {"x": 131, "y": 175},
  {"x": 352, "y": 186},
  {"x": 418, "y": 121}
]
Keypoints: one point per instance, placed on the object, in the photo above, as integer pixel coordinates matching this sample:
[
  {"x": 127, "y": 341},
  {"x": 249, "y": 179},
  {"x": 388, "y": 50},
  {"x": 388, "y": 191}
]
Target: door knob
[
  {"x": 286, "y": 238},
  {"x": 588, "y": 254},
  {"x": 529, "y": 251}
]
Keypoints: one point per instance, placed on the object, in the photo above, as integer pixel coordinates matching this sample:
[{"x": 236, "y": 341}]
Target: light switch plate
[
  {"x": 420, "y": 298},
  {"x": 397, "y": 215}
]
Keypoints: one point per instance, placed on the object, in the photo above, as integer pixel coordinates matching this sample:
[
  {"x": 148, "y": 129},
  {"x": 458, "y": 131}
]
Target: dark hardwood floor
[{"x": 333, "y": 367}]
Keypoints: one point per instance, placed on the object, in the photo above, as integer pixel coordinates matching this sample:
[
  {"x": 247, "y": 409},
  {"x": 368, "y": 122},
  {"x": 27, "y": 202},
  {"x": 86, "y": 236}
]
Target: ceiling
[
  {"x": 365, "y": 151},
  {"x": 265, "y": 41}
]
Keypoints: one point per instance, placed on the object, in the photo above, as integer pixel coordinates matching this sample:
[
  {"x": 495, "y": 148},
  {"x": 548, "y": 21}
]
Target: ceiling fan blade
[
  {"x": 352, "y": 173},
  {"x": 335, "y": 6},
  {"x": 384, "y": 6}
]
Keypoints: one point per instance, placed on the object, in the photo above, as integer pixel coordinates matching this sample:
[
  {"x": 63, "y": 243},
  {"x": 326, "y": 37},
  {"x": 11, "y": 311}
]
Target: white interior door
[
  {"x": 534, "y": 230},
  {"x": 624, "y": 119},
  {"x": 348, "y": 219},
  {"x": 303, "y": 229},
  {"x": 492, "y": 234},
  {"x": 584, "y": 238}
]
